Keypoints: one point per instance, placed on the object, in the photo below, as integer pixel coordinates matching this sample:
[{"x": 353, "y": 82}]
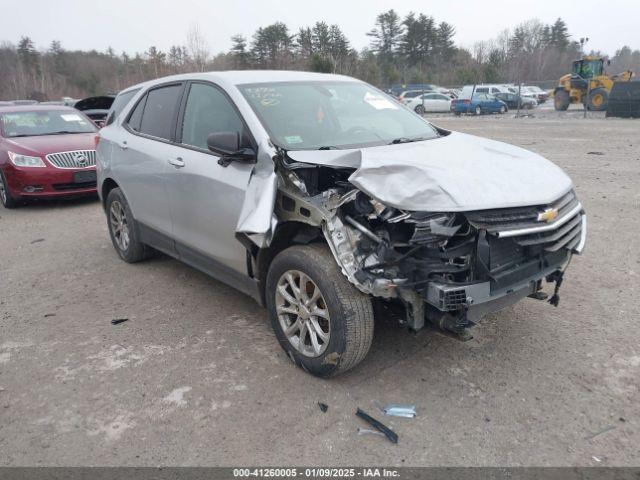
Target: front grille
[
  {"x": 565, "y": 231},
  {"x": 75, "y": 159}
]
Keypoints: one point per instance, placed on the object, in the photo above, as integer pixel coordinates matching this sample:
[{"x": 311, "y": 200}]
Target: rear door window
[
  {"x": 482, "y": 90},
  {"x": 160, "y": 110}
]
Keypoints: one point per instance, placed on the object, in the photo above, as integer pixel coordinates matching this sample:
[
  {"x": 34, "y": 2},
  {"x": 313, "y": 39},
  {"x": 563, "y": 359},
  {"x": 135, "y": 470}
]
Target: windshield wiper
[
  {"x": 62, "y": 132},
  {"x": 328, "y": 147},
  {"x": 396, "y": 141}
]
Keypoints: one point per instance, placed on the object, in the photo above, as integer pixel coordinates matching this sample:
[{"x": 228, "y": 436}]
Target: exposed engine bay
[{"x": 450, "y": 268}]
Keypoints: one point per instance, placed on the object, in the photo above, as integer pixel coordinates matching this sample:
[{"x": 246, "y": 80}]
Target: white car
[
  {"x": 430, "y": 102},
  {"x": 408, "y": 95}
]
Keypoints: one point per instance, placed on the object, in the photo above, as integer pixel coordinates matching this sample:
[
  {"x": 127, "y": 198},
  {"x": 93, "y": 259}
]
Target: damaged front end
[{"x": 448, "y": 268}]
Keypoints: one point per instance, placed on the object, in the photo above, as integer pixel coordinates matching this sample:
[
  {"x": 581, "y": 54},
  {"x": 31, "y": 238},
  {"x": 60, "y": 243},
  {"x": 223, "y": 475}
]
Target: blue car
[{"x": 480, "y": 103}]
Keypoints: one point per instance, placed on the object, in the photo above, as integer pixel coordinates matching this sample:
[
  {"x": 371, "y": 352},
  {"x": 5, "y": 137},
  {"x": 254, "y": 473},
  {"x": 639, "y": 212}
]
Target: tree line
[{"x": 415, "y": 48}]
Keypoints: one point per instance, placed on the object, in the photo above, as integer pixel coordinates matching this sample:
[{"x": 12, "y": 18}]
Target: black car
[{"x": 511, "y": 99}]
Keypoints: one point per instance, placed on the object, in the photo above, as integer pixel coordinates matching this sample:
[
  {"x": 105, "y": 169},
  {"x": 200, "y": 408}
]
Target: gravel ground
[{"x": 195, "y": 377}]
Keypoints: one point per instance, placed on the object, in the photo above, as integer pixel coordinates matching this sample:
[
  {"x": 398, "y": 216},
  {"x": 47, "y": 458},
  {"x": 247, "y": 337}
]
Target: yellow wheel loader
[{"x": 588, "y": 84}]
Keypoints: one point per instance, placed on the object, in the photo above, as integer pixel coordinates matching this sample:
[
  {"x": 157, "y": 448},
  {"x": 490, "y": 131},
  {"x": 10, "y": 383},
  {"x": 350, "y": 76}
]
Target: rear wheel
[
  {"x": 598, "y": 99},
  {"x": 123, "y": 229},
  {"x": 5, "y": 195},
  {"x": 419, "y": 110},
  {"x": 323, "y": 323},
  {"x": 561, "y": 100}
]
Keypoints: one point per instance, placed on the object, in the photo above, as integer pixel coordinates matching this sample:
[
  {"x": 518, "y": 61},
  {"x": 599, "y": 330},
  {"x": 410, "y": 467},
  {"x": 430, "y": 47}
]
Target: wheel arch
[
  {"x": 107, "y": 185},
  {"x": 286, "y": 235}
]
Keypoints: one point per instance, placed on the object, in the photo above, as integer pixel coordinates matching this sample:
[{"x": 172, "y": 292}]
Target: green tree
[
  {"x": 239, "y": 52},
  {"x": 320, "y": 63},
  {"x": 386, "y": 37},
  {"x": 559, "y": 35},
  {"x": 272, "y": 46}
]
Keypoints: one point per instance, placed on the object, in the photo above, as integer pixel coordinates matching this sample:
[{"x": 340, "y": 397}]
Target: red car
[{"x": 45, "y": 151}]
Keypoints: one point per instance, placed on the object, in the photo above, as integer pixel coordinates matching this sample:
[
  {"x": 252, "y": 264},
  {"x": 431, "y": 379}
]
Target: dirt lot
[{"x": 195, "y": 377}]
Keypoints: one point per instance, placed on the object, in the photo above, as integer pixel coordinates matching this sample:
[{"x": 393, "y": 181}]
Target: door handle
[
  {"x": 177, "y": 162},
  {"x": 123, "y": 145}
]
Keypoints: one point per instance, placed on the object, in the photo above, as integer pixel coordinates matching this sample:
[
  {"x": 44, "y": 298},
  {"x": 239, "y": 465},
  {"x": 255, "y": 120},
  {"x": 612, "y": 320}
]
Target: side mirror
[
  {"x": 224, "y": 143},
  {"x": 227, "y": 146}
]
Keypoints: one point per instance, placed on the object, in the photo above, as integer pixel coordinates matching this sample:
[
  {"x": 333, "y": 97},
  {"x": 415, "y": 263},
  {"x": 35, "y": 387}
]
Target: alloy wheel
[
  {"x": 302, "y": 313},
  {"x": 119, "y": 225},
  {"x": 3, "y": 191}
]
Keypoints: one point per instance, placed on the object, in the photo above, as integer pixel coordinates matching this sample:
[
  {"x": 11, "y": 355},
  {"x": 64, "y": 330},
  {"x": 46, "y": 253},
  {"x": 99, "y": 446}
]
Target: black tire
[
  {"x": 478, "y": 110},
  {"x": 5, "y": 195},
  {"x": 598, "y": 100},
  {"x": 457, "y": 114},
  {"x": 419, "y": 110},
  {"x": 561, "y": 100},
  {"x": 135, "y": 250},
  {"x": 350, "y": 311},
  {"x": 503, "y": 109}
]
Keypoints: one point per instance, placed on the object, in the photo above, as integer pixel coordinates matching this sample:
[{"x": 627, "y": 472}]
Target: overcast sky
[{"x": 134, "y": 25}]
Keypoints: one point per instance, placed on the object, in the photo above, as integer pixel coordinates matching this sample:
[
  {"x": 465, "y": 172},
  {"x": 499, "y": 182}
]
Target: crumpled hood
[{"x": 453, "y": 173}]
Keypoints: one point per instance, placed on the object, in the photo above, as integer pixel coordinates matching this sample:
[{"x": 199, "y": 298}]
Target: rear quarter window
[{"x": 118, "y": 105}]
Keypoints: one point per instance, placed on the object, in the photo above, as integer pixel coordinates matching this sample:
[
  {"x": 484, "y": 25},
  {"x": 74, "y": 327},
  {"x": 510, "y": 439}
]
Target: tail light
[{"x": 96, "y": 140}]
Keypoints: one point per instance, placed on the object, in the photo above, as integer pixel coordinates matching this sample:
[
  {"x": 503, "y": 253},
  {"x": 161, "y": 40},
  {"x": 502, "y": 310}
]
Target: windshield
[
  {"x": 588, "y": 68},
  {"x": 44, "y": 122},
  {"x": 315, "y": 115}
]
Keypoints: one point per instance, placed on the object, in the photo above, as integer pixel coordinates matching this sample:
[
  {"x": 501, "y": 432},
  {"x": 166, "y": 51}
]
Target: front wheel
[
  {"x": 478, "y": 110},
  {"x": 5, "y": 195},
  {"x": 419, "y": 110},
  {"x": 503, "y": 109},
  {"x": 561, "y": 100},
  {"x": 598, "y": 99},
  {"x": 323, "y": 323}
]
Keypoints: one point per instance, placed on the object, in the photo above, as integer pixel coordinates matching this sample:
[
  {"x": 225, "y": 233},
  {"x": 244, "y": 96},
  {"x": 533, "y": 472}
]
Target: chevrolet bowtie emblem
[{"x": 549, "y": 215}]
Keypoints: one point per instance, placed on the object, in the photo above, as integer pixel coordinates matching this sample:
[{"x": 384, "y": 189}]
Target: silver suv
[{"x": 319, "y": 194}]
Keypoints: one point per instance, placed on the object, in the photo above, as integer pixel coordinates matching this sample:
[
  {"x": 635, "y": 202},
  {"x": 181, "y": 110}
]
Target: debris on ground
[
  {"x": 323, "y": 406},
  {"x": 116, "y": 321},
  {"x": 366, "y": 431},
  {"x": 595, "y": 153},
  {"x": 397, "y": 410},
  {"x": 37, "y": 240},
  {"x": 390, "y": 434},
  {"x": 604, "y": 430},
  {"x": 406, "y": 411},
  {"x": 47, "y": 315}
]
